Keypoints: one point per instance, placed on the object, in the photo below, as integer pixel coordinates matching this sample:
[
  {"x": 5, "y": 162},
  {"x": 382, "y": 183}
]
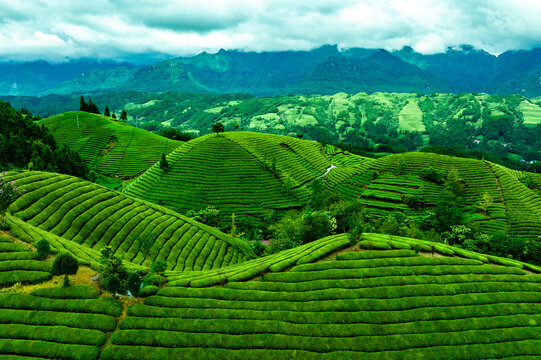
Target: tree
[
  {"x": 65, "y": 264},
  {"x": 106, "y": 112},
  {"x": 8, "y": 193},
  {"x": 83, "y": 106},
  {"x": 123, "y": 115},
  {"x": 92, "y": 108},
  {"x": 112, "y": 264},
  {"x": 43, "y": 248},
  {"x": 114, "y": 115},
  {"x": 112, "y": 284},
  {"x": 486, "y": 201},
  {"x": 133, "y": 284},
  {"x": 164, "y": 165},
  {"x": 218, "y": 127}
]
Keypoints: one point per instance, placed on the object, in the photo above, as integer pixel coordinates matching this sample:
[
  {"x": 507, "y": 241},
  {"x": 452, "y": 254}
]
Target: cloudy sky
[{"x": 142, "y": 30}]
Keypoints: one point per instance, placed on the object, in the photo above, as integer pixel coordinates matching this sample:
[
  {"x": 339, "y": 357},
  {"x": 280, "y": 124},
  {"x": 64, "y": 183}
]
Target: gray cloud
[{"x": 55, "y": 30}]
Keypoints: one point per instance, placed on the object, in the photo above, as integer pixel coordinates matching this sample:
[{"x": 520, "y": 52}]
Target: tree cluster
[
  {"x": 88, "y": 106},
  {"x": 24, "y": 144}
]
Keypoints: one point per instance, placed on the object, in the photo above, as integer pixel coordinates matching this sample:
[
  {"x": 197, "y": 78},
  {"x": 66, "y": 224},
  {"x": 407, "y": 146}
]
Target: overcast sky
[{"x": 55, "y": 30}]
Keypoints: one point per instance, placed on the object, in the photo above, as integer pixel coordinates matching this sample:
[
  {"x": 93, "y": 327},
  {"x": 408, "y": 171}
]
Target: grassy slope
[
  {"x": 235, "y": 172},
  {"x": 81, "y": 217},
  {"x": 109, "y": 146}
]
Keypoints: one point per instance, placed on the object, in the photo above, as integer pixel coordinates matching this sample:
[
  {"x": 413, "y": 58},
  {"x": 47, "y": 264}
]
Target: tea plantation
[
  {"x": 81, "y": 217},
  {"x": 238, "y": 172},
  {"x": 107, "y": 145},
  {"x": 251, "y": 173},
  {"x": 376, "y": 304}
]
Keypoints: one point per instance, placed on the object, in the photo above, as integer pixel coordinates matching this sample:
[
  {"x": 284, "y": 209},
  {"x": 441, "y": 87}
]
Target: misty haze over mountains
[{"x": 325, "y": 70}]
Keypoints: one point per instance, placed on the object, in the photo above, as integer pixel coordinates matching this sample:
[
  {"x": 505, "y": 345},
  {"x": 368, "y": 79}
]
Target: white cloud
[{"x": 57, "y": 29}]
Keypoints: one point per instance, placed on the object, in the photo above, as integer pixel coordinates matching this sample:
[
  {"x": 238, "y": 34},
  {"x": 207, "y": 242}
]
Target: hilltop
[{"x": 107, "y": 145}]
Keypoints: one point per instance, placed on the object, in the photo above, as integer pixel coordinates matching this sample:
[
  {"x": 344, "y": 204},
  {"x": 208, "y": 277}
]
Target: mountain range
[{"x": 325, "y": 70}]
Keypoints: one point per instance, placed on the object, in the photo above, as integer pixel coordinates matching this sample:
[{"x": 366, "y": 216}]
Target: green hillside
[
  {"x": 80, "y": 217},
  {"x": 239, "y": 178},
  {"x": 332, "y": 298},
  {"x": 107, "y": 145},
  {"x": 238, "y": 172},
  {"x": 390, "y": 304}
]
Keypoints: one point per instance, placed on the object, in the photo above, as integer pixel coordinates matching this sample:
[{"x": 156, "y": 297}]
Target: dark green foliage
[
  {"x": 416, "y": 202},
  {"x": 154, "y": 279},
  {"x": 89, "y": 107},
  {"x": 123, "y": 115},
  {"x": 25, "y": 144},
  {"x": 133, "y": 283},
  {"x": 107, "y": 112},
  {"x": 431, "y": 174},
  {"x": 163, "y": 163},
  {"x": 65, "y": 264},
  {"x": 218, "y": 127},
  {"x": 158, "y": 266},
  {"x": 259, "y": 248},
  {"x": 43, "y": 248},
  {"x": 172, "y": 133},
  {"x": 112, "y": 284}
]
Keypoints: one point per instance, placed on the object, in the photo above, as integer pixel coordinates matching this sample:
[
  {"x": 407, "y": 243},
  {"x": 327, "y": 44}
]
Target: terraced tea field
[
  {"x": 56, "y": 323},
  {"x": 20, "y": 264},
  {"x": 107, "y": 145},
  {"x": 376, "y": 304},
  {"x": 82, "y": 218},
  {"x": 238, "y": 172}
]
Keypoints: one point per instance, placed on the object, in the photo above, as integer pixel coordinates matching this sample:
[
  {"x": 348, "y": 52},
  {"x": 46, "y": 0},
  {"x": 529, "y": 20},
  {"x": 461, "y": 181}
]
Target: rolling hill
[
  {"x": 238, "y": 172},
  {"x": 107, "y": 145},
  {"x": 501, "y": 126},
  {"x": 81, "y": 217},
  {"x": 251, "y": 173}
]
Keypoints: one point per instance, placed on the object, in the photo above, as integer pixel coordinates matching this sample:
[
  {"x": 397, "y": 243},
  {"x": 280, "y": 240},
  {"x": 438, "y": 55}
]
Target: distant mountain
[
  {"x": 36, "y": 78},
  {"x": 379, "y": 71},
  {"x": 325, "y": 70}
]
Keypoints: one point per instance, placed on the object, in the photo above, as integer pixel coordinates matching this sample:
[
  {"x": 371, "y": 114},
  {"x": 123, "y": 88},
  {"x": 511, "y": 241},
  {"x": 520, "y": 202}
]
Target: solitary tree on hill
[
  {"x": 164, "y": 165},
  {"x": 218, "y": 127},
  {"x": 114, "y": 115},
  {"x": 106, "y": 112},
  {"x": 123, "y": 115}
]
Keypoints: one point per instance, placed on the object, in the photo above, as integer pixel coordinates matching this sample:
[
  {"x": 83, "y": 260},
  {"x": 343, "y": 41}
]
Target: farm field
[
  {"x": 109, "y": 146},
  {"x": 375, "y": 304}
]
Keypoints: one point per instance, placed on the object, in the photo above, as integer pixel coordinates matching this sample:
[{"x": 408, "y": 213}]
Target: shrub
[
  {"x": 65, "y": 264},
  {"x": 415, "y": 202},
  {"x": 258, "y": 247},
  {"x": 154, "y": 279},
  {"x": 149, "y": 290},
  {"x": 158, "y": 266},
  {"x": 43, "y": 248},
  {"x": 433, "y": 175}
]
